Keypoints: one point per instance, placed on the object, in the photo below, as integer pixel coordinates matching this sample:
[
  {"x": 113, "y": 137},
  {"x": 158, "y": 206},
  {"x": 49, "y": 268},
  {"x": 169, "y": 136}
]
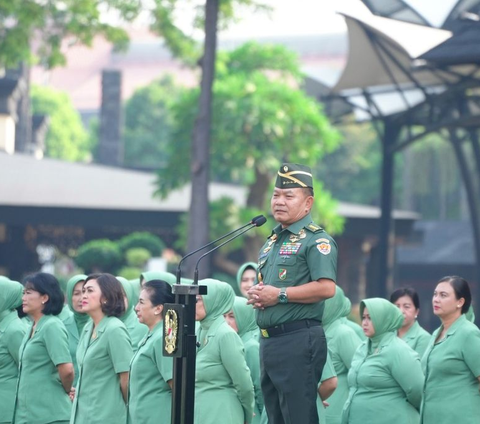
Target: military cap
[{"x": 294, "y": 175}]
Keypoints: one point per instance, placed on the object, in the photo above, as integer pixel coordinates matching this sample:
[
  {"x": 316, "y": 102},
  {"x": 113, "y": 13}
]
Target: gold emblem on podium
[{"x": 171, "y": 331}]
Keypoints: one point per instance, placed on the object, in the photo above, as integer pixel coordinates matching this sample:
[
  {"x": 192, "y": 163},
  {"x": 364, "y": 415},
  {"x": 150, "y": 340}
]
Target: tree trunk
[
  {"x": 256, "y": 198},
  {"x": 199, "y": 218}
]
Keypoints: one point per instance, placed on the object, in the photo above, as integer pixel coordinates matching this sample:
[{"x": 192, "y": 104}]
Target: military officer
[{"x": 296, "y": 273}]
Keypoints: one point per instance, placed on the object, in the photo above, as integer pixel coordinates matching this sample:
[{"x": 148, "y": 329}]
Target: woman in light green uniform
[
  {"x": 223, "y": 387},
  {"x": 342, "y": 343},
  {"x": 104, "y": 353},
  {"x": 136, "y": 331},
  {"x": 46, "y": 370},
  {"x": 12, "y": 331},
  {"x": 385, "y": 378},
  {"x": 246, "y": 277},
  {"x": 77, "y": 320},
  {"x": 151, "y": 373},
  {"x": 452, "y": 359},
  {"x": 406, "y": 299},
  {"x": 242, "y": 319}
]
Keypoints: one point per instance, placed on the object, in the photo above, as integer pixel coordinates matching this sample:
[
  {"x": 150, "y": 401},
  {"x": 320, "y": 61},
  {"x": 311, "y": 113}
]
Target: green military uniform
[
  {"x": 223, "y": 386},
  {"x": 327, "y": 373},
  {"x": 342, "y": 344},
  {"x": 74, "y": 322},
  {"x": 248, "y": 332},
  {"x": 353, "y": 325},
  {"x": 12, "y": 331},
  {"x": 149, "y": 395},
  {"x": 136, "y": 330},
  {"x": 385, "y": 378},
  {"x": 452, "y": 367},
  {"x": 292, "y": 361},
  {"x": 417, "y": 338},
  {"x": 98, "y": 397},
  {"x": 39, "y": 386}
]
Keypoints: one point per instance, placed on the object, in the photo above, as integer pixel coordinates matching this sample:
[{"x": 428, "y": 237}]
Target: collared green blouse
[
  {"x": 149, "y": 395},
  {"x": 417, "y": 338},
  {"x": 452, "y": 367},
  {"x": 39, "y": 386},
  {"x": 98, "y": 397}
]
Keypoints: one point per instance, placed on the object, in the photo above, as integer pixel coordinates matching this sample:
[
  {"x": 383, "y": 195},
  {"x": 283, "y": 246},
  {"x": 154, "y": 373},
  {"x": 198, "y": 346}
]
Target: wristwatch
[{"x": 282, "y": 296}]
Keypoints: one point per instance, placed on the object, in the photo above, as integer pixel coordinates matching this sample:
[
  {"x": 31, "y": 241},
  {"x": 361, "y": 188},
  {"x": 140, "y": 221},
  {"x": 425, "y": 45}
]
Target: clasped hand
[{"x": 262, "y": 296}]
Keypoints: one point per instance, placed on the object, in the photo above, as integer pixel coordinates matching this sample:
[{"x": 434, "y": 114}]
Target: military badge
[
  {"x": 302, "y": 234},
  {"x": 288, "y": 249},
  {"x": 282, "y": 273},
  {"x": 324, "y": 240},
  {"x": 171, "y": 331},
  {"x": 324, "y": 248},
  {"x": 294, "y": 238}
]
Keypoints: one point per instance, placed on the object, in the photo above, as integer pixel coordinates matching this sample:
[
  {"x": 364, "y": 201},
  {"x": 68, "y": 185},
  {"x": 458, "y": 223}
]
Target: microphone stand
[{"x": 179, "y": 340}]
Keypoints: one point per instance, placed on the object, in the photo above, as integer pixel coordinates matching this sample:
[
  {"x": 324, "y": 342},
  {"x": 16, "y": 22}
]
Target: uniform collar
[{"x": 296, "y": 226}]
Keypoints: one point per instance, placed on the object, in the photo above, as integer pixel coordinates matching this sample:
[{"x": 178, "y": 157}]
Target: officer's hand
[
  {"x": 254, "y": 295},
  {"x": 262, "y": 296}
]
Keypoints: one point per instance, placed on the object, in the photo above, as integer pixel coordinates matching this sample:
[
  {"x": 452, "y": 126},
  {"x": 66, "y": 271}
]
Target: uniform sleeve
[
  {"x": 13, "y": 341},
  {"x": 328, "y": 370},
  {"x": 164, "y": 363},
  {"x": 120, "y": 349},
  {"x": 233, "y": 359},
  {"x": 471, "y": 348},
  {"x": 252, "y": 356},
  {"x": 56, "y": 341},
  {"x": 407, "y": 372},
  {"x": 422, "y": 343},
  {"x": 347, "y": 342},
  {"x": 322, "y": 257}
]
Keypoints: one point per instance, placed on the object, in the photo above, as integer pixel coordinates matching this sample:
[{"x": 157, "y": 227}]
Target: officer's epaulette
[{"x": 314, "y": 228}]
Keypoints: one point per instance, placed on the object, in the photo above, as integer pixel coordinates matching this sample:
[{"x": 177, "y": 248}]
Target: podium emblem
[{"x": 171, "y": 331}]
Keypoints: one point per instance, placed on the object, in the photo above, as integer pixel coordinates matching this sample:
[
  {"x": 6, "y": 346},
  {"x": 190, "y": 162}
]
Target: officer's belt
[{"x": 288, "y": 327}]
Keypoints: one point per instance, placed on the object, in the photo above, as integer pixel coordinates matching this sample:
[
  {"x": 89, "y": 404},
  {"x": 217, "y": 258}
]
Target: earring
[
  {"x": 416, "y": 316},
  {"x": 105, "y": 302},
  {"x": 43, "y": 303}
]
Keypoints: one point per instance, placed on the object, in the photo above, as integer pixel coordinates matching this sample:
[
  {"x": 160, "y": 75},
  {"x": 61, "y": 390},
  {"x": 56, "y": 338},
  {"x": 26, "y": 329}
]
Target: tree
[
  {"x": 66, "y": 138},
  {"x": 260, "y": 118},
  {"x": 148, "y": 124},
  {"x": 34, "y": 30}
]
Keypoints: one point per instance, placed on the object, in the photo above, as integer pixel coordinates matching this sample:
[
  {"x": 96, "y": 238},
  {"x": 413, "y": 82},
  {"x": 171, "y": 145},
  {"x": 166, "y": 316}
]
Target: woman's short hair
[
  {"x": 406, "y": 291},
  {"x": 461, "y": 289},
  {"x": 159, "y": 292},
  {"x": 113, "y": 304},
  {"x": 46, "y": 284}
]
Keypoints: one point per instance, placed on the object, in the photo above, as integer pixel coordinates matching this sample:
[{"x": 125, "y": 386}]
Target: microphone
[
  {"x": 258, "y": 221},
  {"x": 253, "y": 221}
]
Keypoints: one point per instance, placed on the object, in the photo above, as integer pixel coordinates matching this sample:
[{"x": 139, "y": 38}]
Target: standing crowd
[{"x": 285, "y": 352}]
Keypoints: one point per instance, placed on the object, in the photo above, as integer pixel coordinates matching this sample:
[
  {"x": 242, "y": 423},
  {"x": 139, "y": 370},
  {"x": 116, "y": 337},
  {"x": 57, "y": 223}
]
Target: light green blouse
[
  {"x": 223, "y": 387},
  {"x": 327, "y": 373},
  {"x": 149, "y": 395},
  {"x": 385, "y": 379},
  {"x": 39, "y": 386},
  {"x": 417, "y": 338},
  {"x": 98, "y": 397},
  {"x": 451, "y": 392},
  {"x": 12, "y": 331}
]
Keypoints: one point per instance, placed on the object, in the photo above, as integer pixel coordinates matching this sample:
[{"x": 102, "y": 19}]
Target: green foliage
[
  {"x": 182, "y": 43},
  {"x": 66, "y": 138},
  {"x": 352, "y": 172},
  {"x": 137, "y": 257},
  {"x": 145, "y": 240},
  {"x": 130, "y": 272},
  {"x": 101, "y": 255},
  {"x": 148, "y": 124},
  {"x": 32, "y": 30},
  {"x": 257, "y": 121}
]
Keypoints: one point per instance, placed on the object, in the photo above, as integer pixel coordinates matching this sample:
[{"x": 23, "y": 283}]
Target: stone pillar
[
  {"x": 110, "y": 151},
  {"x": 23, "y": 134}
]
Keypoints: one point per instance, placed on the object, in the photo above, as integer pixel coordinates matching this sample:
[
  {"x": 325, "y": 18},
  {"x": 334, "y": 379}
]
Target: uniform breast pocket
[{"x": 286, "y": 269}]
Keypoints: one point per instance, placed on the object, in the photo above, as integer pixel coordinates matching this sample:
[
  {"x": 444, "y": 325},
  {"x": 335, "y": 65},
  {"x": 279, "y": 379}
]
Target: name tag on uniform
[{"x": 288, "y": 248}]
